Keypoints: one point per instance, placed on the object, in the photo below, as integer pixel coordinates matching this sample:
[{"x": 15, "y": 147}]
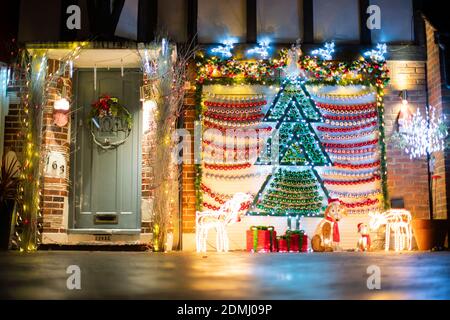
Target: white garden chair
[{"x": 219, "y": 220}]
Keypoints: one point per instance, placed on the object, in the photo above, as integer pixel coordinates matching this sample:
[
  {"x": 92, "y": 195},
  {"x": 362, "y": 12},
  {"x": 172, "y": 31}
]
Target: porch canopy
[
  {"x": 101, "y": 58},
  {"x": 103, "y": 54}
]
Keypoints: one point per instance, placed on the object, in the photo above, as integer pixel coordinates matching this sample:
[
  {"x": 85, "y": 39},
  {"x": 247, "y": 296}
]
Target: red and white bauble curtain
[{"x": 350, "y": 136}]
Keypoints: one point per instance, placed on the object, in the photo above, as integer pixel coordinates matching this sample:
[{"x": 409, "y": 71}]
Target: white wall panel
[
  {"x": 336, "y": 20},
  {"x": 280, "y": 21},
  {"x": 39, "y": 22},
  {"x": 396, "y": 21},
  {"x": 172, "y": 18},
  {"x": 219, "y": 19}
]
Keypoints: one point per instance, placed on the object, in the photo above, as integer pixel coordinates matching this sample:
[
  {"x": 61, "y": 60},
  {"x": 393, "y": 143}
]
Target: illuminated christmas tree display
[{"x": 295, "y": 189}]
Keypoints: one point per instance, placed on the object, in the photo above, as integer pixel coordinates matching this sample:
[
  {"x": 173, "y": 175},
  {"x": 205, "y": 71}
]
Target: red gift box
[
  {"x": 265, "y": 239},
  {"x": 282, "y": 245},
  {"x": 294, "y": 243},
  {"x": 305, "y": 243}
]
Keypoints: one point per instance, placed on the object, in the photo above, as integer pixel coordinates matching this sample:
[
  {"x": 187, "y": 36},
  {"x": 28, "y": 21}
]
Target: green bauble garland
[{"x": 281, "y": 200}]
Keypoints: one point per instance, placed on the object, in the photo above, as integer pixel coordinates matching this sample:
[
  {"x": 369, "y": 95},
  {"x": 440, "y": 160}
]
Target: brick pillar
[
  {"x": 438, "y": 96},
  {"x": 188, "y": 179},
  {"x": 55, "y": 139}
]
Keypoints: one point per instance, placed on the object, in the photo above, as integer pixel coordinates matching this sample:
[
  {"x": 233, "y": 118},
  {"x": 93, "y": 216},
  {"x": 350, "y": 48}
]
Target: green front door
[{"x": 106, "y": 184}]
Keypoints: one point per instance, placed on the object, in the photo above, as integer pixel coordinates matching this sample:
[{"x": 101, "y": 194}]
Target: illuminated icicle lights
[{"x": 95, "y": 78}]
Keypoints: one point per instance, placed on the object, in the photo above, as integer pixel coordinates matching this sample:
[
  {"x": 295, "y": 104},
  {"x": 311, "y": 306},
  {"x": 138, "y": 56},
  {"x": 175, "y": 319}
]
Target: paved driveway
[{"x": 237, "y": 275}]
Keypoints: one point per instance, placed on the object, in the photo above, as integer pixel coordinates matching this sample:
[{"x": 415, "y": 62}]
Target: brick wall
[
  {"x": 407, "y": 179},
  {"x": 439, "y": 97},
  {"x": 13, "y": 139}
]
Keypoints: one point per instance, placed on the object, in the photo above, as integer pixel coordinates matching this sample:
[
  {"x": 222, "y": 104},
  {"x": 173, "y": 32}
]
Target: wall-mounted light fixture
[
  {"x": 404, "y": 114},
  {"x": 62, "y": 104},
  {"x": 404, "y": 97}
]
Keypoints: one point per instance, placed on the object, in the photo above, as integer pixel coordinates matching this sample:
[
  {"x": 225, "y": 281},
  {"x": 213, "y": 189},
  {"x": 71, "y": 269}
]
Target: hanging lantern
[
  {"x": 62, "y": 104},
  {"x": 61, "y": 109}
]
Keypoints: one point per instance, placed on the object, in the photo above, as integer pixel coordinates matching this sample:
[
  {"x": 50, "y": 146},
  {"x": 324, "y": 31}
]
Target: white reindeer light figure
[
  {"x": 397, "y": 221},
  {"x": 227, "y": 214}
]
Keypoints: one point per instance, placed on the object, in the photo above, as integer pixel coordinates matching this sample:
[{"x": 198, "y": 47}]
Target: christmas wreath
[{"x": 108, "y": 115}]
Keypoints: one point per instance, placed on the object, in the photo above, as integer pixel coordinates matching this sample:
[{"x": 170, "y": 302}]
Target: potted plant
[
  {"x": 9, "y": 183},
  {"x": 420, "y": 137},
  {"x": 430, "y": 233}
]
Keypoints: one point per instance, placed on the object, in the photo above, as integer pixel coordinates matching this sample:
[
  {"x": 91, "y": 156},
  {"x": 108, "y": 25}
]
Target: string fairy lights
[
  {"x": 396, "y": 221},
  {"x": 262, "y": 50},
  {"x": 326, "y": 53},
  {"x": 39, "y": 81},
  {"x": 420, "y": 135},
  {"x": 165, "y": 70},
  {"x": 377, "y": 55},
  {"x": 218, "y": 219},
  {"x": 224, "y": 50},
  {"x": 342, "y": 115}
]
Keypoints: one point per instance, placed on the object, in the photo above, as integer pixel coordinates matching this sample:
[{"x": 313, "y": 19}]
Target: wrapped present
[
  {"x": 305, "y": 243},
  {"x": 261, "y": 239},
  {"x": 294, "y": 245},
  {"x": 282, "y": 244},
  {"x": 295, "y": 240}
]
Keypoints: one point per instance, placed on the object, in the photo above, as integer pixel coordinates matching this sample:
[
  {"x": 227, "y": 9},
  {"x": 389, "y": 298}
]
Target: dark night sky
[{"x": 436, "y": 12}]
